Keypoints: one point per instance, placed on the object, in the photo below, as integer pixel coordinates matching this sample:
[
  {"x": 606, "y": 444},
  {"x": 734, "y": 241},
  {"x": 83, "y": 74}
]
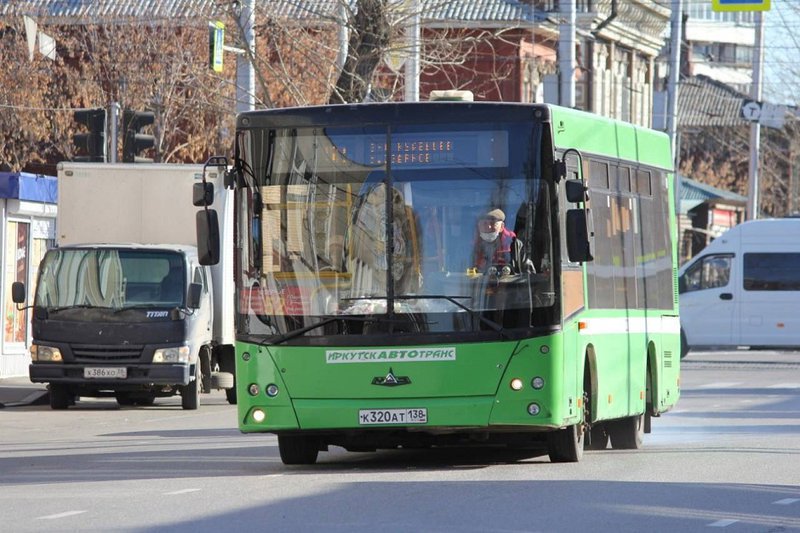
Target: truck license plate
[
  {"x": 372, "y": 417},
  {"x": 105, "y": 372}
]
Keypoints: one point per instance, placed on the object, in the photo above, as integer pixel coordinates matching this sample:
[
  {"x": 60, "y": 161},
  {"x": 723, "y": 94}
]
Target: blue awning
[{"x": 29, "y": 187}]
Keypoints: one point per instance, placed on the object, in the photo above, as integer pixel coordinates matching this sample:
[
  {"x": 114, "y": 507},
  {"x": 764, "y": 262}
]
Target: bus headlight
[
  {"x": 178, "y": 354},
  {"x": 259, "y": 416},
  {"x": 516, "y": 384},
  {"x": 537, "y": 382},
  {"x": 534, "y": 409},
  {"x": 48, "y": 354},
  {"x": 272, "y": 390}
]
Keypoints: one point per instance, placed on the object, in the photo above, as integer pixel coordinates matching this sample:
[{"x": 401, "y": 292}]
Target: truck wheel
[
  {"x": 190, "y": 394},
  {"x": 60, "y": 396},
  {"x": 298, "y": 450},
  {"x": 230, "y": 395},
  {"x": 124, "y": 399}
]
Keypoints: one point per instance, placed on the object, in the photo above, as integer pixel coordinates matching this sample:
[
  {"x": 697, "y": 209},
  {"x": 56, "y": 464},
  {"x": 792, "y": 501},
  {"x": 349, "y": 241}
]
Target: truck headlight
[
  {"x": 45, "y": 353},
  {"x": 178, "y": 354}
]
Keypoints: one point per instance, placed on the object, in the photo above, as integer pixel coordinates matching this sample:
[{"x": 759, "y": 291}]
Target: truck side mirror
[
  {"x": 207, "y": 224},
  {"x": 18, "y": 292},
  {"x": 576, "y": 191},
  {"x": 580, "y": 239},
  {"x": 203, "y": 194},
  {"x": 195, "y": 291}
]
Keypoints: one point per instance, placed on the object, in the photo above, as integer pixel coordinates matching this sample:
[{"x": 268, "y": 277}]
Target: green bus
[{"x": 451, "y": 273}]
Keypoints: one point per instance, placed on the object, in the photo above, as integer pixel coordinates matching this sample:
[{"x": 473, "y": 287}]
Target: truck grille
[{"x": 112, "y": 354}]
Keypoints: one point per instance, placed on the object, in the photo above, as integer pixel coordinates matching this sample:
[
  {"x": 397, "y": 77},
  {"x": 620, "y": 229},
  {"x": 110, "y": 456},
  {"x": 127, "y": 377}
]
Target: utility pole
[
  {"x": 675, "y": 41},
  {"x": 566, "y": 53},
  {"x": 412, "y": 62},
  {"x": 245, "y": 75},
  {"x": 755, "y": 127}
]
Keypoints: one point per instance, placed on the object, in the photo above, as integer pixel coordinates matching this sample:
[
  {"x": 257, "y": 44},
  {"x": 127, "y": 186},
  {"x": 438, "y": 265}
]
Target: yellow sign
[
  {"x": 216, "y": 43},
  {"x": 740, "y": 5}
]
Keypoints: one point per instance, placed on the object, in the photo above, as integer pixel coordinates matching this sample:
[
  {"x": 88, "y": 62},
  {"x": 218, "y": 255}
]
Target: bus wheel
[
  {"x": 298, "y": 450},
  {"x": 60, "y": 396},
  {"x": 627, "y": 433},
  {"x": 566, "y": 445},
  {"x": 230, "y": 394},
  {"x": 190, "y": 394},
  {"x": 598, "y": 437}
]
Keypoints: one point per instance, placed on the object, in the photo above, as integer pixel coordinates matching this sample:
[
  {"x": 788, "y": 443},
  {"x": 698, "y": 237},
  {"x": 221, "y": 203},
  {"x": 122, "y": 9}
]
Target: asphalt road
[{"x": 726, "y": 458}]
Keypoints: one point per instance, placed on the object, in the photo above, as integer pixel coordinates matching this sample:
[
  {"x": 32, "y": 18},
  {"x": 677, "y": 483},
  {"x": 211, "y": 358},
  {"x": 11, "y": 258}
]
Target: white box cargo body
[{"x": 126, "y": 203}]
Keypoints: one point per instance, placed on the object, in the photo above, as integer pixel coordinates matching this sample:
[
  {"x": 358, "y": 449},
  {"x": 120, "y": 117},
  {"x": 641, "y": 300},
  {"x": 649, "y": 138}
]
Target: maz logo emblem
[{"x": 391, "y": 380}]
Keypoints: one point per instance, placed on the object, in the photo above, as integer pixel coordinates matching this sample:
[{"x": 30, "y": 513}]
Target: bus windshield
[{"x": 415, "y": 229}]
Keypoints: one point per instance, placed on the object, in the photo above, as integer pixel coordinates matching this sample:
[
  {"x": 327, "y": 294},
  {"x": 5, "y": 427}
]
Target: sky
[{"x": 781, "y": 75}]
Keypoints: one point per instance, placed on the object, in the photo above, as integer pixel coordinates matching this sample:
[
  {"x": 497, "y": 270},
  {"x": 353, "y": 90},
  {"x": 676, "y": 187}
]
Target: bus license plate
[
  {"x": 374, "y": 417},
  {"x": 104, "y": 372}
]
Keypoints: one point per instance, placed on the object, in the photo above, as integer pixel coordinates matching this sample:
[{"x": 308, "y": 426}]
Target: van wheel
[
  {"x": 298, "y": 450},
  {"x": 684, "y": 345},
  {"x": 190, "y": 394},
  {"x": 60, "y": 396}
]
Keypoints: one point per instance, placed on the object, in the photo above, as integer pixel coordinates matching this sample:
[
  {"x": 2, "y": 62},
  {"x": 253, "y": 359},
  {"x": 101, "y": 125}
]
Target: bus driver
[{"x": 496, "y": 246}]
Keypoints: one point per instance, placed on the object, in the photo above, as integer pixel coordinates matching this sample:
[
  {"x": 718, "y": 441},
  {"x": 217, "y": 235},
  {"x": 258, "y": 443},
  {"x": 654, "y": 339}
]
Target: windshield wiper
[
  {"x": 452, "y": 299},
  {"x": 300, "y": 331},
  {"x": 76, "y": 306}
]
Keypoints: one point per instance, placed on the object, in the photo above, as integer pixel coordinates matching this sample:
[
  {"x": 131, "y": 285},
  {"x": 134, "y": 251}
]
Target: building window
[{"x": 16, "y": 254}]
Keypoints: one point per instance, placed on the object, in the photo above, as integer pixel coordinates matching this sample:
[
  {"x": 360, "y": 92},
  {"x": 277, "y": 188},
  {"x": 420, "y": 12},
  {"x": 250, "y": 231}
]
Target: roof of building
[
  {"x": 704, "y": 102},
  {"x": 79, "y": 11},
  {"x": 694, "y": 193}
]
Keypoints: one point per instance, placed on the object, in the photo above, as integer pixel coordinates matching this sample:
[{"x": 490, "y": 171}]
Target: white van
[{"x": 743, "y": 289}]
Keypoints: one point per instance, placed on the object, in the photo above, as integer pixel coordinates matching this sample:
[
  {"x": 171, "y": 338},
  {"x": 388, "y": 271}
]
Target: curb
[{"x": 35, "y": 398}]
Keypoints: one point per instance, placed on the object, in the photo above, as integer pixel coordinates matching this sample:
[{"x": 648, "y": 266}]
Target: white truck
[
  {"x": 122, "y": 306},
  {"x": 743, "y": 289}
]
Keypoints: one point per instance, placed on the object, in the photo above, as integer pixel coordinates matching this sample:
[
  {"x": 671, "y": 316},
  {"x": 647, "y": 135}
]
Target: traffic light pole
[{"x": 113, "y": 132}]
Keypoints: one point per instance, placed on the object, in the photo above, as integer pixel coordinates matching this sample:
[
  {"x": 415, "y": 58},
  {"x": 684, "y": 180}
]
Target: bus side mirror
[
  {"x": 576, "y": 191},
  {"x": 18, "y": 292},
  {"x": 203, "y": 194},
  {"x": 580, "y": 239},
  {"x": 207, "y": 224},
  {"x": 195, "y": 291}
]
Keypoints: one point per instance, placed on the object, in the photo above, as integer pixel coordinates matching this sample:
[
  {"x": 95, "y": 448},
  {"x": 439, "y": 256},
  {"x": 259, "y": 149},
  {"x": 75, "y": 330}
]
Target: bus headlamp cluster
[
  {"x": 177, "y": 354},
  {"x": 271, "y": 390},
  {"x": 48, "y": 354}
]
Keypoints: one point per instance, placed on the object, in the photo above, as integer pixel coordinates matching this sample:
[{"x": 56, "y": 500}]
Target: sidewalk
[{"x": 19, "y": 392}]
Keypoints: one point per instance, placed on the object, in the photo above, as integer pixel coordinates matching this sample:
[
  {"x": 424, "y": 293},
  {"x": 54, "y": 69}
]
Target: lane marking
[
  {"x": 182, "y": 491},
  {"x": 785, "y": 386},
  {"x": 720, "y": 385},
  {"x": 60, "y": 515},
  {"x": 722, "y": 523},
  {"x": 786, "y": 501}
]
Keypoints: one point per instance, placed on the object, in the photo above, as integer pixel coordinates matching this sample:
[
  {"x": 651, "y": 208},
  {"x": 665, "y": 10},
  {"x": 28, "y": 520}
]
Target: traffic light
[
  {"x": 134, "y": 142},
  {"x": 93, "y": 142}
]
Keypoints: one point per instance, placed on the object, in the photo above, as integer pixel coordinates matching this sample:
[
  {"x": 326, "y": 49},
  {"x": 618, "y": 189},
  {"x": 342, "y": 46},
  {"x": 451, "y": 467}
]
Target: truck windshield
[
  {"x": 422, "y": 229},
  {"x": 110, "y": 278}
]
